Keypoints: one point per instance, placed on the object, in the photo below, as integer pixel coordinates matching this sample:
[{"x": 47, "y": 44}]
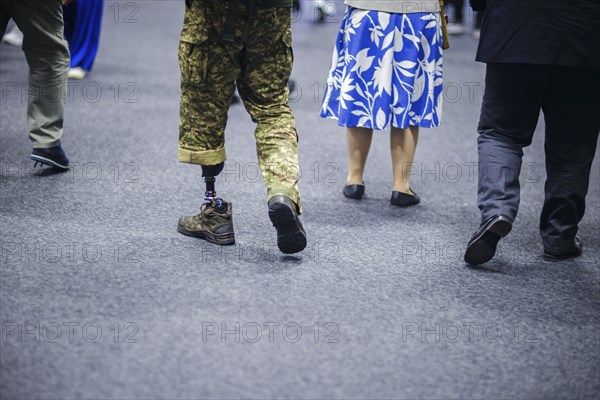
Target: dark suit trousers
[{"x": 513, "y": 97}]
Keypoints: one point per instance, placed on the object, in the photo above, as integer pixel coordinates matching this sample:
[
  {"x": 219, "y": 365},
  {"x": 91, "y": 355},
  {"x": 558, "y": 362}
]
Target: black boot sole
[
  {"x": 222, "y": 239},
  {"x": 483, "y": 248},
  {"x": 291, "y": 237}
]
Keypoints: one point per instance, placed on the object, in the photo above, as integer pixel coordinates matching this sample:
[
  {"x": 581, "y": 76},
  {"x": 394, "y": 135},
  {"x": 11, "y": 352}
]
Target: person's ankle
[
  {"x": 403, "y": 189},
  {"x": 354, "y": 180}
]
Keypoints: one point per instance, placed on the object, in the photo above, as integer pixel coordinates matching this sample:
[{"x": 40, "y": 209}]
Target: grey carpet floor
[{"x": 102, "y": 299}]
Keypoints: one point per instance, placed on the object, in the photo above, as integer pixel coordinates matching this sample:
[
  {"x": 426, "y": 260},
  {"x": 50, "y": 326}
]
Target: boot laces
[{"x": 203, "y": 211}]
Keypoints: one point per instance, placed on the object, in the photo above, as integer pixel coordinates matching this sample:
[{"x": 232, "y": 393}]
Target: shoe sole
[
  {"x": 413, "y": 203},
  {"x": 48, "y": 161},
  {"x": 562, "y": 257},
  {"x": 483, "y": 248},
  {"x": 354, "y": 197},
  {"x": 566, "y": 256},
  {"x": 291, "y": 238},
  {"x": 553, "y": 258},
  {"x": 222, "y": 239}
]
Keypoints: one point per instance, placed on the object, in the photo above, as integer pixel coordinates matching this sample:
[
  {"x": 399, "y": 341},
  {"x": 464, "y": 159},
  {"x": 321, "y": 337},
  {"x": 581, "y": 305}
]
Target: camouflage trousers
[{"x": 259, "y": 60}]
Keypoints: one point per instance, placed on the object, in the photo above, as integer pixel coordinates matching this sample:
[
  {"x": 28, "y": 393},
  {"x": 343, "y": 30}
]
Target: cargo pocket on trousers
[
  {"x": 194, "y": 55},
  {"x": 286, "y": 39}
]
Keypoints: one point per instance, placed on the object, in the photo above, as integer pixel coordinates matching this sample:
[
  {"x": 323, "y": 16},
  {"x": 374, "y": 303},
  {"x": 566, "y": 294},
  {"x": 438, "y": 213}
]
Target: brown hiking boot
[{"x": 213, "y": 223}]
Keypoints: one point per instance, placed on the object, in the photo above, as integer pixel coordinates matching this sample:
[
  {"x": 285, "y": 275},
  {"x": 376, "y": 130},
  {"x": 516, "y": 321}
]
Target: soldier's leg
[
  {"x": 263, "y": 86},
  {"x": 209, "y": 68},
  {"x": 203, "y": 107},
  {"x": 47, "y": 55}
]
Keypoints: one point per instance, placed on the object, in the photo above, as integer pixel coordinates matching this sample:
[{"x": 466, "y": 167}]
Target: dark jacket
[{"x": 551, "y": 32}]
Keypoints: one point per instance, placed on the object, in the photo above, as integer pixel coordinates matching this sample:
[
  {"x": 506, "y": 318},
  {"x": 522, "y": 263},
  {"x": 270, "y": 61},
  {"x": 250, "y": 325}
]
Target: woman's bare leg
[
  {"x": 403, "y": 144},
  {"x": 359, "y": 143}
]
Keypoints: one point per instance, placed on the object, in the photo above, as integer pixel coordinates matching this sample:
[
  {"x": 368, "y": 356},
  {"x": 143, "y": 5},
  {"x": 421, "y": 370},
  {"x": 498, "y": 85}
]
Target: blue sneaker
[{"x": 53, "y": 156}]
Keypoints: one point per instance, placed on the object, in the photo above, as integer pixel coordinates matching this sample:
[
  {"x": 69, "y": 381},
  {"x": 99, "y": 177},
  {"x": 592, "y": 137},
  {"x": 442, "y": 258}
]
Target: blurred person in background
[
  {"x": 380, "y": 79},
  {"x": 83, "y": 20},
  {"x": 477, "y": 26},
  {"x": 540, "y": 56},
  {"x": 323, "y": 9},
  {"x": 456, "y": 26},
  {"x": 47, "y": 55}
]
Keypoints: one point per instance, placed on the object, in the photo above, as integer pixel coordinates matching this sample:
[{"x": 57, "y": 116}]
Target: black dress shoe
[
  {"x": 482, "y": 246},
  {"x": 354, "y": 191},
  {"x": 291, "y": 237},
  {"x": 575, "y": 251},
  {"x": 400, "y": 199},
  {"x": 52, "y": 156}
]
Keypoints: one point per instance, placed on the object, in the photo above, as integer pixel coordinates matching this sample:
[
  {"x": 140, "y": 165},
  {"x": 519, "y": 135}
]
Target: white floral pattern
[{"x": 386, "y": 69}]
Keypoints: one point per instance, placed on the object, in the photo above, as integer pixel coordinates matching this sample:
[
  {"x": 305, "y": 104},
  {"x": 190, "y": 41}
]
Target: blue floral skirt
[{"x": 386, "y": 70}]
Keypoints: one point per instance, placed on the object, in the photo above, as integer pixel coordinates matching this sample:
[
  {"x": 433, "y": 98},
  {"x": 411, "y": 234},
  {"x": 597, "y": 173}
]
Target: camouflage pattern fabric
[{"x": 261, "y": 66}]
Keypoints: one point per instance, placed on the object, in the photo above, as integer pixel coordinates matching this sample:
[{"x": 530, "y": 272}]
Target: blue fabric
[
  {"x": 386, "y": 70},
  {"x": 83, "y": 20}
]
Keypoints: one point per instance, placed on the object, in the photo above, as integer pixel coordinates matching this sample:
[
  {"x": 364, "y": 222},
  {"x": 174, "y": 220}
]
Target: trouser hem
[
  {"x": 292, "y": 194},
  {"x": 205, "y": 157},
  {"x": 492, "y": 212},
  {"x": 37, "y": 145}
]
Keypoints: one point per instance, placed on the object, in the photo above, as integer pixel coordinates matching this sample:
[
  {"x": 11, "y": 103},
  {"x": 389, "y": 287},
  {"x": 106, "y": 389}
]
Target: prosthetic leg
[
  {"x": 208, "y": 173},
  {"x": 214, "y": 222}
]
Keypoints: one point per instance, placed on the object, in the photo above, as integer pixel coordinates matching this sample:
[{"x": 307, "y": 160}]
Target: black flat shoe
[
  {"x": 400, "y": 199},
  {"x": 354, "y": 191},
  {"x": 482, "y": 246},
  {"x": 575, "y": 251}
]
